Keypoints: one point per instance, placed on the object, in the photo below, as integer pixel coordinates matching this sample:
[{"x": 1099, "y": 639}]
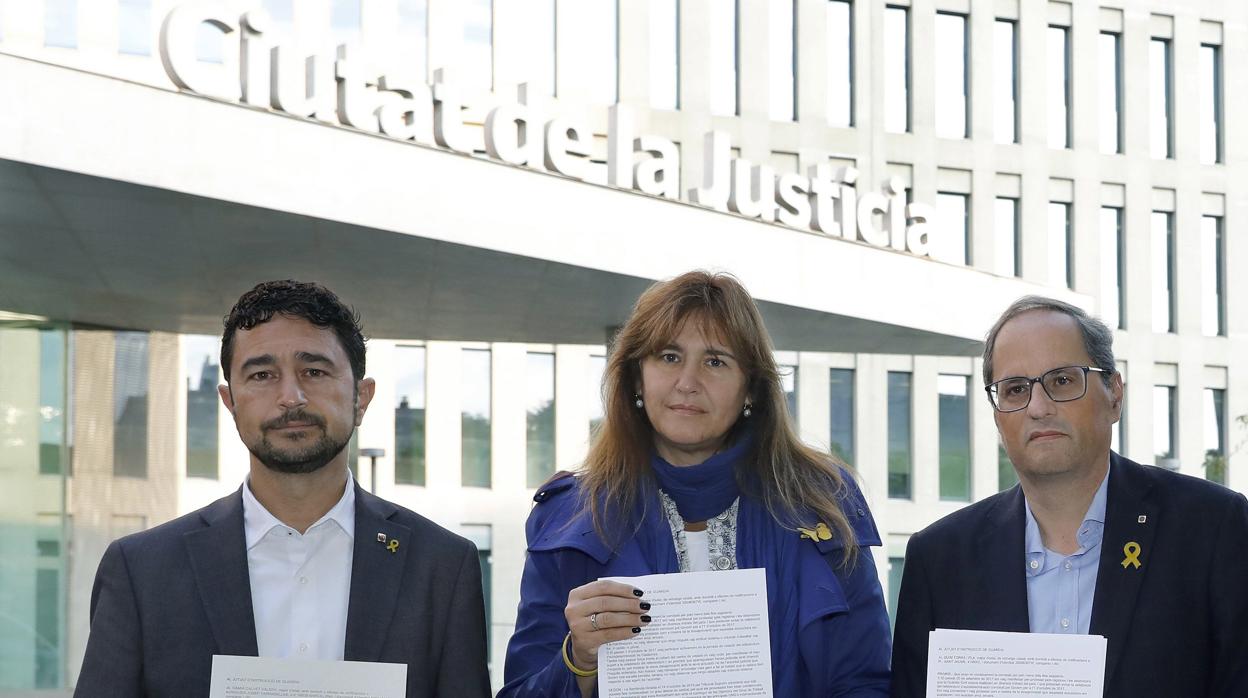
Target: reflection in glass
[
  {"x": 1005, "y": 234},
  {"x": 597, "y": 366},
  {"x": 478, "y": 47},
  {"x": 1160, "y": 107},
  {"x": 539, "y": 420},
  {"x": 199, "y": 360},
  {"x": 1215, "y": 434},
  {"x": 1163, "y": 424},
  {"x": 723, "y": 46},
  {"x": 1058, "y": 78},
  {"x": 840, "y": 63},
  {"x": 900, "y": 468},
  {"x": 587, "y": 31},
  {"x": 134, "y": 27},
  {"x": 60, "y": 23},
  {"x": 1109, "y": 107},
  {"x": 841, "y": 413},
  {"x": 783, "y": 64},
  {"x": 664, "y": 54},
  {"x": 475, "y": 407},
  {"x": 896, "y": 69},
  {"x": 1113, "y": 270},
  {"x": 1162, "y": 236},
  {"x": 409, "y": 415},
  {"x": 1210, "y": 104},
  {"x": 954, "y": 229},
  {"x": 955, "y": 437},
  {"x": 1212, "y": 277},
  {"x": 130, "y": 366},
  {"x": 1004, "y": 81},
  {"x": 412, "y": 44},
  {"x": 1060, "y": 268},
  {"x": 951, "y": 82},
  {"x": 53, "y": 455}
]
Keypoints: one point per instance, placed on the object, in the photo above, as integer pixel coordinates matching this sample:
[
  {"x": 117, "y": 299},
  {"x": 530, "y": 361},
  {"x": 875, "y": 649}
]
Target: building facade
[{"x": 885, "y": 177}]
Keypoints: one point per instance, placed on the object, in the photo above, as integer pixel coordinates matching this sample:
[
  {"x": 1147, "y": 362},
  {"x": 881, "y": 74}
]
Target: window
[
  {"x": 200, "y": 355},
  {"x": 130, "y": 361},
  {"x": 954, "y": 228},
  {"x": 539, "y": 421},
  {"x": 788, "y": 383},
  {"x": 899, "y": 462},
  {"x": 1007, "y": 477},
  {"x": 597, "y": 367},
  {"x": 60, "y": 23},
  {"x": 478, "y": 55},
  {"x": 412, "y": 44},
  {"x": 955, "y": 437},
  {"x": 783, "y": 48},
  {"x": 1005, "y": 81},
  {"x": 1215, "y": 434},
  {"x": 1058, "y": 39},
  {"x": 664, "y": 54},
  {"x": 840, "y": 43},
  {"x": 1113, "y": 268},
  {"x": 723, "y": 45},
  {"x": 1163, "y": 426},
  {"x": 896, "y": 69},
  {"x": 475, "y": 395},
  {"x": 344, "y": 21},
  {"x": 1210, "y": 104},
  {"x": 134, "y": 27},
  {"x": 1109, "y": 67},
  {"x": 841, "y": 413},
  {"x": 1212, "y": 276},
  {"x": 409, "y": 415},
  {"x": 1061, "y": 271},
  {"x": 1160, "y": 106},
  {"x": 1006, "y": 231},
  {"x": 1163, "y": 271},
  {"x": 53, "y": 455},
  {"x": 951, "y": 76},
  {"x": 896, "y": 568},
  {"x": 588, "y": 31}
]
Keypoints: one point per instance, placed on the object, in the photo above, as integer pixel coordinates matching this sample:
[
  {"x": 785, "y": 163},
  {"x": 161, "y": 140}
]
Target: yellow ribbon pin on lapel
[
  {"x": 1132, "y": 552},
  {"x": 393, "y": 545},
  {"x": 820, "y": 532}
]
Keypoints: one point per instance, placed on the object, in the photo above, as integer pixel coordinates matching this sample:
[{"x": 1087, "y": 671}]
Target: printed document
[
  {"x": 986, "y": 664},
  {"x": 709, "y": 637},
  {"x": 268, "y": 677}
]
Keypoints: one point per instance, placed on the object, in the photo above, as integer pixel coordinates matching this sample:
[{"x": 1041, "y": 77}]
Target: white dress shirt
[{"x": 300, "y": 583}]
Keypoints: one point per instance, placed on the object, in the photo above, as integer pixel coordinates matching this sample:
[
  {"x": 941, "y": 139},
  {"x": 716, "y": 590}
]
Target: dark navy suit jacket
[
  {"x": 1177, "y": 626},
  {"x": 167, "y": 599}
]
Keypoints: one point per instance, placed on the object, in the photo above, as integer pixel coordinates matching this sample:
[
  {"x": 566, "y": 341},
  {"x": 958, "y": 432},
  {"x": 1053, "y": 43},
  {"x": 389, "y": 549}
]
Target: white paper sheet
[
  {"x": 266, "y": 677},
  {"x": 1008, "y": 665},
  {"x": 709, "y": 637}
]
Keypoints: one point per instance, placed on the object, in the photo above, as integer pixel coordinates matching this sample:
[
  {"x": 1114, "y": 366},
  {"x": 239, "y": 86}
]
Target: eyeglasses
[{"x": 1061, "y": 385}]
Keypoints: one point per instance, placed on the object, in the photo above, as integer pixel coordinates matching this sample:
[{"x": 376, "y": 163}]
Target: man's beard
[{"x": 307, "y": 457}]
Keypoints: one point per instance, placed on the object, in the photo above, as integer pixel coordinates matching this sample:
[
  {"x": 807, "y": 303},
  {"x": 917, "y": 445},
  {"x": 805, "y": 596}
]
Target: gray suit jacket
[{"x": 167, "y": 599}]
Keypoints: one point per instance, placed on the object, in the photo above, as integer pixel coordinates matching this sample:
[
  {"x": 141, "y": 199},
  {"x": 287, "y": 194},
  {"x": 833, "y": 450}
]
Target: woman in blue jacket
[{"x": 697, "y": 467}]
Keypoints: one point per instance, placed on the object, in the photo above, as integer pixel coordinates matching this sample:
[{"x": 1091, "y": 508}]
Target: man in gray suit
[{"x": 300, "y": 562}]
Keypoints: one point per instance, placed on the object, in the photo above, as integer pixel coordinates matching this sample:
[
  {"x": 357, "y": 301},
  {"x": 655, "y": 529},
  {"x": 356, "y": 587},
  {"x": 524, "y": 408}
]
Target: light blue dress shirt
[{"x": 1060, "y": 587}]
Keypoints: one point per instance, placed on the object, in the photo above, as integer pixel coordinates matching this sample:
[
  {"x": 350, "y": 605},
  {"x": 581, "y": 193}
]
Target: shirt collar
[
  {"x": 258, "y": 521},
  {"x": 1089, "y": 534}
]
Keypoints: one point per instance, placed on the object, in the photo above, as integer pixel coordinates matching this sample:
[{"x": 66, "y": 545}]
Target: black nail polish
[
  {"x": 638, "y": 592},
  {"x": 636, "y": 630},
  {"x": 645, "y": 605},
  {"x": 645, "y": 619}
]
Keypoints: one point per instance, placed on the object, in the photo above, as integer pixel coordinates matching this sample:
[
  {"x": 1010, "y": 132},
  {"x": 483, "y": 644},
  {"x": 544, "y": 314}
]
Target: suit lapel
[
  {"x": 218, "y": 554},
  {"x": 1000, "y": 600},
  {"x": 1118, "y": 585},
  {"x": 376, "y": 575}
]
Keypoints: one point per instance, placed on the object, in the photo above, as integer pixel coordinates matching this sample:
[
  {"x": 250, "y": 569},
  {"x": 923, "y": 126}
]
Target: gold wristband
[{"x": 567, "y": 660}]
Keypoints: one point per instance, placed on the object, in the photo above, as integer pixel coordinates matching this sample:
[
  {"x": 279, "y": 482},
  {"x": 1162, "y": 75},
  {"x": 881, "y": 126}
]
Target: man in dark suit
[
  {"x": 1088, "y": 542},
  {"x": 300, "y": 562}
]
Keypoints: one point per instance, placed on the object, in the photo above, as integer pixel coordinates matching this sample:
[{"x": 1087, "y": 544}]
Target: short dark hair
[
  {"x": 1098, "y": 339},
  {"x": 296, "y": 299}
]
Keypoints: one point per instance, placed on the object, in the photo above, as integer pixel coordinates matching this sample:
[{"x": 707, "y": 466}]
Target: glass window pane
[
  {"x": 539, "y": 397},
  {"x": 1210, "y": 104},
  {"x": 587, "y": 38},
  {"x": 1112, "y": 286},
  {"x": 1060, "y": 271},
  {"x": 1159, "y": 100},
  {"x": 664, "y": 54},
  {"x": 478, "y": 47},
  {"x": 840, "y": 63},
  {"x": 60, "y": 23},
  {"x": 412, "y": 43},
  {"x": 783, "y": 64},
  {"x": 788, "y": 382},
  {"x": 475, "y": 397},
  {"x": 896, "y": 568},
  {"x": 723, "y": 47},
  {"x": 199, "y": 359},
  {"x": 951, "y": 92},
  {"x": 899, "y": 462},
  {"x": 1212, "y": 281},
  {"x": 953, "y": 228},
  {"x": 1109, "y": 108},
  {"x": 896, "y": 69},
  {"x": 955, "y": 437},
  {"x": 1007, "y": 477},
  {"x": 409, "y": 416},
  {"x": 1163, "y": 271},
  {"x": 1004, "y": 82},
  {"x": 841, "y": 413},
  {"x": 1005, "y": 233},
  {"x": 130, "y": 362},
  {"x": 1058, "y": 76},
  {"x": 344, "y": 21},
  {"x": 1215, "y": 434},
  {"x": 1163, "y": 425},
  {"x": 53, "y": 454},
  {"x": 134, "y": 27}
]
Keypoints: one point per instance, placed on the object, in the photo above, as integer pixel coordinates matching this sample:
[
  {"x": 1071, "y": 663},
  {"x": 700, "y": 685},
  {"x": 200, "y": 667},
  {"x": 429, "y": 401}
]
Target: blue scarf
[{"x": 704, "y": 490}]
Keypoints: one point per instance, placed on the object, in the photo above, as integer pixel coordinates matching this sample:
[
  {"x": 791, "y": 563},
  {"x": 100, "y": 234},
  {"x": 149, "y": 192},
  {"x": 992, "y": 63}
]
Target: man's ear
[
  {"x": 1117, "y": 391},
  {"x": 365, "y": 389},
  {"x": 227, "y": 397}
]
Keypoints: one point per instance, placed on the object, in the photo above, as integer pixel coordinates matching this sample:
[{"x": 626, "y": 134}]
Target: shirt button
[
  {"x": 1068, "y": 565},
  {"x": 1035, "y": 564},
  {"x": 1065, "y": 622},
  {"x": 303, "y": 646},
  {"x": 723, "y": 563},
  {"x": 303, "y": 580}
]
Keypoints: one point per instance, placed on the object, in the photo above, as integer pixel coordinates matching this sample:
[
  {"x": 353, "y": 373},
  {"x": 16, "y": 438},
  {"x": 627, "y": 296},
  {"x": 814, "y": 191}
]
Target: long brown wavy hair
[{"x": 794, "y": 481}]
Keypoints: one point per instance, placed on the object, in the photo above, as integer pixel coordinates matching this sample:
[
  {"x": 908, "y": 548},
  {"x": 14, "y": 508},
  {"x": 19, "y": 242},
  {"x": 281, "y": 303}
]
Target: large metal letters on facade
[{"x": 344, "y": 89}]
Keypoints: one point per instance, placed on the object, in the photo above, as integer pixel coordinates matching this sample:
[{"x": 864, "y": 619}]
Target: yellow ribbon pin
[
  {"x": 393, "y": 545},
  {"x": 820, "y": 532},
  {"x": 1132, "y": 551}
]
